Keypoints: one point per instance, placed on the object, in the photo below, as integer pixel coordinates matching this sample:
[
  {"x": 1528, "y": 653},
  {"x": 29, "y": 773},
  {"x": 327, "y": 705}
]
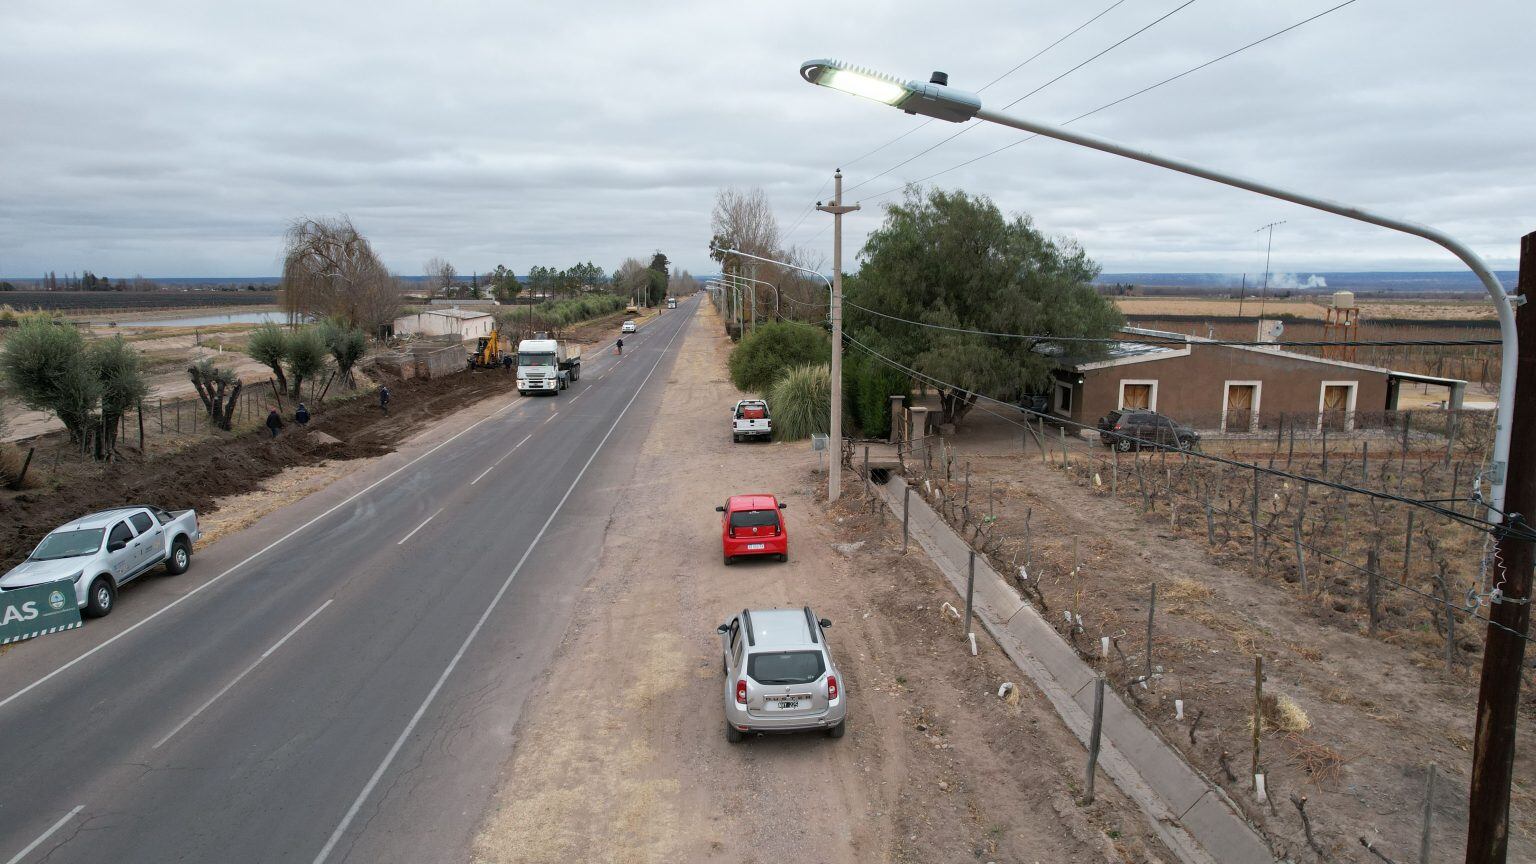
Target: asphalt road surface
[{"x": 341, "y": 681}]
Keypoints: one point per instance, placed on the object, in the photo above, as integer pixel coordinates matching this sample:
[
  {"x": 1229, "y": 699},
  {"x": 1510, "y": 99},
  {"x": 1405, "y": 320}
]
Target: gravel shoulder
[{"x": 621, "y": 753}]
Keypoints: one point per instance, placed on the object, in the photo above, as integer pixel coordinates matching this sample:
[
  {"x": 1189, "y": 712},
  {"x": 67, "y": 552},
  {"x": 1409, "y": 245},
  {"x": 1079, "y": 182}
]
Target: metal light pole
[
  {"x": 835, "y": 298},
  {"x": 837, "y": 208},
  {"x": 1268, "y": 245},
  {"x": 754, "y": 295},
  {"x": 937, "y": 99},
  {"x": 1491, "y": 761}
]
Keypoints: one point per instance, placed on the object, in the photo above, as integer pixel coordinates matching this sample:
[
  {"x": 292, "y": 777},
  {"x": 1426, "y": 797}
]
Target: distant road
[{"x": 341, "y": 684}]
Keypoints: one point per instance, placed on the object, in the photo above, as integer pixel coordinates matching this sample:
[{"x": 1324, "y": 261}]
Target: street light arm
[
  {"x": 815, "y": 273},
  {"x": 754, "y": 293},
  {"x": 1509, "y": 356}
]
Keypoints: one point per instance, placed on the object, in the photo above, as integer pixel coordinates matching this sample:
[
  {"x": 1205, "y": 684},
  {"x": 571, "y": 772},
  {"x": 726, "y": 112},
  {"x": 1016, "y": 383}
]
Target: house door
[
  {"x": 1240, "y": 404},
  {"x": 1137, "y": 396},
  {"x": 1337, "y": 412}
]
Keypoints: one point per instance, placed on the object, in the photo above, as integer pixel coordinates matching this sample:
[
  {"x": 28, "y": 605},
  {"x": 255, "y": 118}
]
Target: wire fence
[{"x": 1411, "y": 589}]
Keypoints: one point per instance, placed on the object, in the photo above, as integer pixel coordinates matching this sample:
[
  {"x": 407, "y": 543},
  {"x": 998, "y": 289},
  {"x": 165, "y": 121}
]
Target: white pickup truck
[
  {"x": 103, "y": 551},
  {"x": 749, "y": 419}
]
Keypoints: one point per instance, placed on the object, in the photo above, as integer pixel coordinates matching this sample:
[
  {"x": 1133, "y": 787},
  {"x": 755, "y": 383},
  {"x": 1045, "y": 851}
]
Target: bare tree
[
  {"x": 632, "y": 278},
  {"x": 440, "y": 276},
  {"x": 330, "y": 270}
]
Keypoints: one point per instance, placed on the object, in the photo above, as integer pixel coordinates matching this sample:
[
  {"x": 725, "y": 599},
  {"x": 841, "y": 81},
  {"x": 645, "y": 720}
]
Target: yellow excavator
[{"x": 487, "y": 354}]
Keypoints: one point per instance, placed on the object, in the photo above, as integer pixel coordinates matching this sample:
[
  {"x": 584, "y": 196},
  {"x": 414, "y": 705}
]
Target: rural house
[
  {"x": 1231, "y": 388},
  {"x": 466, "y": 324}
]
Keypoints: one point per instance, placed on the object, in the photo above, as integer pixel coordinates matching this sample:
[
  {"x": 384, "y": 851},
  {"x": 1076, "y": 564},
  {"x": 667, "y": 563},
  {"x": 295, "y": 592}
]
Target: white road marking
[
  {"x": 499, "y": 461},
  {"x": 552, "y": 416},
  {"x": 577, "y": 396},
  {"x": 264, "y": 655},
  {"x": 248, "y": 559},
  {"x": 46, "y": 834},
  {"x": 422, "y": 525},
  {"x": 442, "y": 679}
]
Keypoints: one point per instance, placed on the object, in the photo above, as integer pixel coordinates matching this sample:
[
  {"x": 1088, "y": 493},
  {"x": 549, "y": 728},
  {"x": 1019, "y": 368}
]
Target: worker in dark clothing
[
  {"x": 301, "y": 416},
  {"x": 618, "y": 347},
  {"x": 384, "y": 399},
  {"x": 274, "y": 422},
  {"x": 506, "y": 362}
]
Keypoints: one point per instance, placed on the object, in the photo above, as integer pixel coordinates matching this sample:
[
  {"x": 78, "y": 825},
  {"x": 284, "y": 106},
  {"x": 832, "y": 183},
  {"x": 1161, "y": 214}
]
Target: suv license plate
[
  {"x": 755, "y": 546},
  {"x": 787, "y": 703}
]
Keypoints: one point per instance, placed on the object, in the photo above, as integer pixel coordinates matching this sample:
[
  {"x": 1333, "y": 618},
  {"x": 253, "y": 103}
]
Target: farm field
[
  {"x": 97, "y": 303},
  {"x": 1475, "y": 308}
]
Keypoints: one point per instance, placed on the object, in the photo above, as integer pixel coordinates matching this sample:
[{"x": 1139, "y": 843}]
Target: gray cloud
[{"x": 165, "y": 139}]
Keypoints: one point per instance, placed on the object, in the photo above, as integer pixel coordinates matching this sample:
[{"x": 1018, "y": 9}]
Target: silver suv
[{"x": 779, "y": 674}]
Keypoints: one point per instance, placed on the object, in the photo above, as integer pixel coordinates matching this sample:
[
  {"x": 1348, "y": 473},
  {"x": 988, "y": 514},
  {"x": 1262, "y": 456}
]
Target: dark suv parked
[{"x": 1133, "y": 428}]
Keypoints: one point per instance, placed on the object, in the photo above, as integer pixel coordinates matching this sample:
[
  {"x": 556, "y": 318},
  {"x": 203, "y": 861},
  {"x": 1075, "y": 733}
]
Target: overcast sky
[{"x": 178, "y": 139}]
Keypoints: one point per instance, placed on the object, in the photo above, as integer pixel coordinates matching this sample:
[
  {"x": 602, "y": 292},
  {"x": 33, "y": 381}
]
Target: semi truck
[{"x": 546, "y": 365}]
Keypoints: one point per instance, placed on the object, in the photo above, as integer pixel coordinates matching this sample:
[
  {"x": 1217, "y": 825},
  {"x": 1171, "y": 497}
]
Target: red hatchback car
[{"x": 753, "y": 525}]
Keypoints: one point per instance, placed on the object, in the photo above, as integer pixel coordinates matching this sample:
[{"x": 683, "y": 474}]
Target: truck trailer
[{"x": 546, "y": 365}]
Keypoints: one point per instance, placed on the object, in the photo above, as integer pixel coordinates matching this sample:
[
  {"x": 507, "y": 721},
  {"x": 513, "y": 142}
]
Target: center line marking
[
  {"x": 419, "y": 527},
  {"x": 499, "y": 461},
  {"x": 577, "y": 396},
  {"x": 552, "y": 416},
  {"x": 264, "y": 655},
  {"x": 46, "y": 834},
  {"x": 410, "y": 726}
]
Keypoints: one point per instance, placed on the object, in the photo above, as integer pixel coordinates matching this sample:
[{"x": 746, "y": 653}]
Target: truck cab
[{"x": 546, "y": 366}]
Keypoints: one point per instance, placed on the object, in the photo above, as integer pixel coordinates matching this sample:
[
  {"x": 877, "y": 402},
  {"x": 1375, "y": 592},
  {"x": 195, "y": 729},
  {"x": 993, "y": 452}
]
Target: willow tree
[
  {"x": 330, "y": 270},
  {"x": 954, "y": 263}
]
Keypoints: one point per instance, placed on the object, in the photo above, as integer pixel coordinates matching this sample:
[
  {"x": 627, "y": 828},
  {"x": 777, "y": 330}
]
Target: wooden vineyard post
[
  {"x": 1408, "y": 547},
  {"x": 1151, "y": 615},
  {"x": 1093, "y": 737},
  {"x": 1253, "y": 513},
  {"x": 1258, "y": 714}
]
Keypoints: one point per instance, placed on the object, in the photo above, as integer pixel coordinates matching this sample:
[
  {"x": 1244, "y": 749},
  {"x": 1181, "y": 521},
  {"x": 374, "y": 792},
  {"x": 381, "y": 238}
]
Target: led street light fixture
[{"x": 934, "y": 99}]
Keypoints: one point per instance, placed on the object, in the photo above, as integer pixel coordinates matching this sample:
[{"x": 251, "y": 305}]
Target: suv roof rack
[
  {"x": 810, "y": 622},
  {"x": 746, "y": 618}
]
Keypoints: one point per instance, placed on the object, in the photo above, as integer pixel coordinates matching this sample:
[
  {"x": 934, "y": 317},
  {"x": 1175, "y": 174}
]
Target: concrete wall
[
  {"x": 432, "y": 324},
  {"x": 1192, "y": 388}
]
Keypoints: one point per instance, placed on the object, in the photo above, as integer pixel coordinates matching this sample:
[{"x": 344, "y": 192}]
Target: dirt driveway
[{"x": 622, "y": 755}]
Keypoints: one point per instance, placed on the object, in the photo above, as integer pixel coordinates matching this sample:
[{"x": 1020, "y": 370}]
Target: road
[{"x": 340, "y": 682}]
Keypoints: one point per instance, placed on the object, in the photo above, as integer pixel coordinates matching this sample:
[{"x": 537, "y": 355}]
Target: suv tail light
[
  {"x": 831, "y": 686},
  {"x": 741, "y": 692}
]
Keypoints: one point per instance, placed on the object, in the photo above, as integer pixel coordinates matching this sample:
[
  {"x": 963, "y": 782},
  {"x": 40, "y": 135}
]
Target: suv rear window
[
  {"x": 786, "y": 667},
  {"x": 754, "y": 518}
]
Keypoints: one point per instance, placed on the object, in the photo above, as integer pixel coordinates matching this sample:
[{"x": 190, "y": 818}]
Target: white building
[{"x": 467, "y": 324}]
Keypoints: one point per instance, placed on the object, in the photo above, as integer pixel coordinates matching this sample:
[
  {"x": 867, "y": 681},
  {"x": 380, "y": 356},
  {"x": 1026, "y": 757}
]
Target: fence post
[
  {"x": 178, "y": 416},
  {"x": 970, "y": 591},
  {"x": 1429, "y": 813},
  {"x": 1063, "y": 431},
  {"x": 1365, "y": 461},
  {"x": 1093, "y": 737},
  {"x": 1408, "y": 547},
  {"x": 906, "y": 515},
  {"x": 1151, "y": 612},
  {"x": 160, "y": 409},
  {"x": 1114, "y": 473},
  {"x": 1258, "y": 713},
  {"x": 866, "y": 470},
  {"x": 1254, "y": 515}
]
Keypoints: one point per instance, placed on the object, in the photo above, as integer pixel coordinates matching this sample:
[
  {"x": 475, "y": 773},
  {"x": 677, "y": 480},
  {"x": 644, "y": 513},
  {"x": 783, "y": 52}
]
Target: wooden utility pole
[{"x": 1498, "y": 697}]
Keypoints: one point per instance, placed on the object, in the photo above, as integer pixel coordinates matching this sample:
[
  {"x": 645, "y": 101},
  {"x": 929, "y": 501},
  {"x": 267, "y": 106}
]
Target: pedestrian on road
[
  {"x": 384, "y": 399},
  {"x": 618, "y": 347},
  {"x": 274, "y": 422},
  {"x": 301, "y": 416},
  {"x": 506, "y": 362}
]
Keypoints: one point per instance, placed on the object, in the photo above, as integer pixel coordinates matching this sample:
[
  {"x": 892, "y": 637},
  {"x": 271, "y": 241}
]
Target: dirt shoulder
[
  {"x": 622, "y": 756},
  {"x": 1375, "y": 710}
]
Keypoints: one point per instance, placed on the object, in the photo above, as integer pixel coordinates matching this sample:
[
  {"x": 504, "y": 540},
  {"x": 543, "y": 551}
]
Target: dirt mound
[{"x": 229, "y": 464}]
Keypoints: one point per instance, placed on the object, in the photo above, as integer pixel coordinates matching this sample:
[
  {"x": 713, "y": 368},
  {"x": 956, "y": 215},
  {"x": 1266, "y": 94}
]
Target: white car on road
[
  {"x": 628, "y": 327},
  {"x": 103, "y": 551}
]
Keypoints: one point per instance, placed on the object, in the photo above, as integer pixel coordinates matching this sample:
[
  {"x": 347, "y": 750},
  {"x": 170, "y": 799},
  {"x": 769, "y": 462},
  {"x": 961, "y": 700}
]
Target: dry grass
[
  {"x": 1282, "y": 714},
  {"x": 1184, "y": 591},
  {"x": 1306, "y": 308},
  {"x": 1321, "y": 763}
]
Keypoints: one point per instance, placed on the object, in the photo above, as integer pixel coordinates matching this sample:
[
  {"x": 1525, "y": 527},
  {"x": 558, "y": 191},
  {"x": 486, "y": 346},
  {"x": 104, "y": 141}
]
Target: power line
[
  {"x": 1125, "y": 98},
  {"x": 964, "y": 129},
  {"x": 1030, "y": 59},
  {"x": 1194, "y": 340},
  {"x": 1382, "y": 579}
]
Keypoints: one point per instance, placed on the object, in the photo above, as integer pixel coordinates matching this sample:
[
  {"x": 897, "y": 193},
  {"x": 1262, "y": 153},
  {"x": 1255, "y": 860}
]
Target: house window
[
  {"x": 1336, "y": 405},
  {"x": 1063, "y": 398},
  {"x": 1138, "y": 394},
  {"x": 1240, "y": 406}
]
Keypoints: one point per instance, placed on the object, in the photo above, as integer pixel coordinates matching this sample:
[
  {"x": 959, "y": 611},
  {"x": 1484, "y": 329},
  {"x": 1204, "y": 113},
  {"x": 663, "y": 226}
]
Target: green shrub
[
  {"x": 43, "y": 363},
  {"x": 800, "y": 399},
  {"x": 760, "y": 359},
  {"x": 268, "y": 346},
  {"x": 347, "y": 345},
  {"x": 868, "y": 386},
  {"x": 306, "y": 357}
]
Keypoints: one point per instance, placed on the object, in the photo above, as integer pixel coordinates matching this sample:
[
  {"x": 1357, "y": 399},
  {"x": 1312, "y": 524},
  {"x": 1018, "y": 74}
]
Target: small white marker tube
[
  {"x": 1178, "y": 709},
  {"x": 1104, "y": 645},
  {"x": 1258, "y": 788},
  {"x": 973, "y": 643}
]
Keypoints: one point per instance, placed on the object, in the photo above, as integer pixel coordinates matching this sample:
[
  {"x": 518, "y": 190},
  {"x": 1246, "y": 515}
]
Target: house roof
[
  {"x": 461, "y": 314},
  {"x": 1277, "y": 352}
]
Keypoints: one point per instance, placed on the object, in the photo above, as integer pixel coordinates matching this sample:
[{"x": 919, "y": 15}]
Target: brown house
[{"x": 1231, "y": 388}]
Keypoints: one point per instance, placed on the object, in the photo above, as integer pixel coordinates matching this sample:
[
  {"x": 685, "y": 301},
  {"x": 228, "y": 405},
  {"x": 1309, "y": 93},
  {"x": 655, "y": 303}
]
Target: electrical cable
[
  {"x": 1382, "y": 579},
  {"x": 1126, "y": 98},
  {"x": 1193, "y": 340},
  {"x": 964, "y": 129}
]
